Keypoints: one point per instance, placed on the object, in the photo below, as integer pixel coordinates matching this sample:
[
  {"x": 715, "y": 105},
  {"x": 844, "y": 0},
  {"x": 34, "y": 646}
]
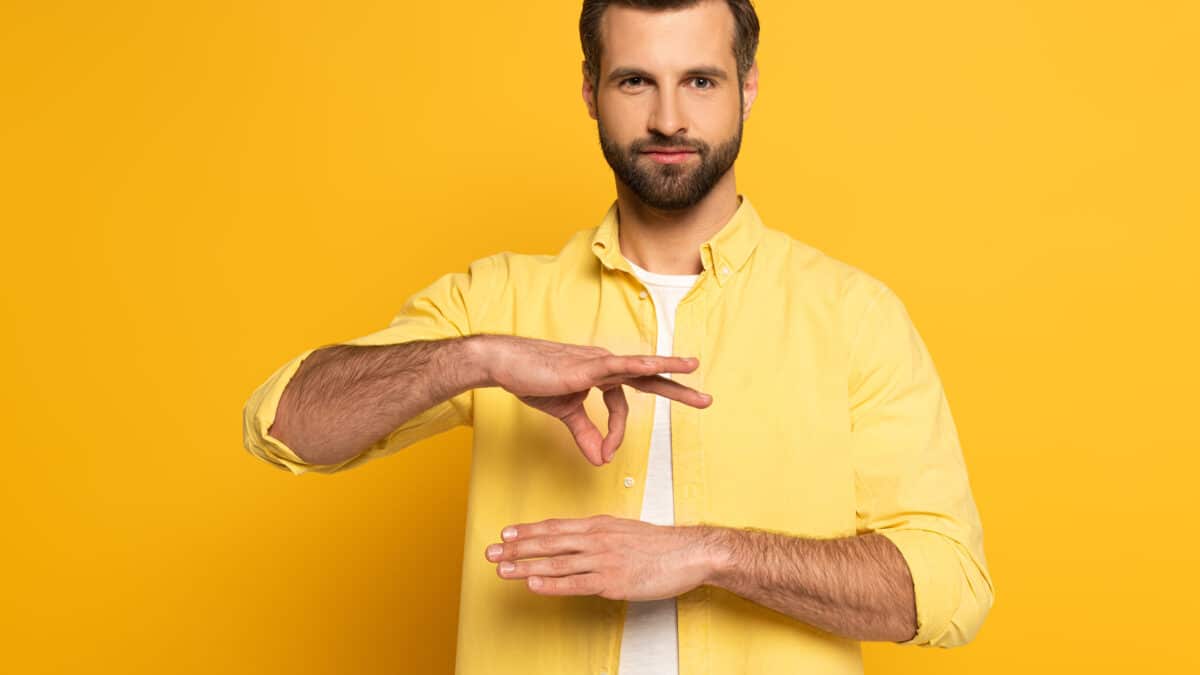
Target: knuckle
[{"x": 601, "y": 520}]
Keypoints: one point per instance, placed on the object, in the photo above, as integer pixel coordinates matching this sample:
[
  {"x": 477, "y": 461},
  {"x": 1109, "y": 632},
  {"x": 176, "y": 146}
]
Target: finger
[
  {"x": 587, "y": 436},
  {"x": 618, "y": 413},
  {"x": 558, "y": 566},
  {"x": 611, "y": 369},
  {"x": 558, "y": 526},
  {"x": 591, "y": 583},
  {"x": 671, "y": 389},
  {"x": 553, "y": 544},
  {"x": 648, "y": 370}
]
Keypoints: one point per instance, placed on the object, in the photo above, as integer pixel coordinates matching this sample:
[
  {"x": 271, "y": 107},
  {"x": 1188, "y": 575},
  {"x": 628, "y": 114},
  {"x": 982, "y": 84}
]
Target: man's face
[{"x": 668, "y": 81}]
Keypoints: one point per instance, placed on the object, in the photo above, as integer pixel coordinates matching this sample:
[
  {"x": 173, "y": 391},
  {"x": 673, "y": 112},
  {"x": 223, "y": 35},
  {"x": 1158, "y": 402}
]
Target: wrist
[
  {"x": 478, "y": 355},
  {"x": 715, "y": 553}
]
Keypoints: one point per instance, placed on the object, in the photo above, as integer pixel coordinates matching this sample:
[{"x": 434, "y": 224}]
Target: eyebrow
[{"x": 698, "y": 71}]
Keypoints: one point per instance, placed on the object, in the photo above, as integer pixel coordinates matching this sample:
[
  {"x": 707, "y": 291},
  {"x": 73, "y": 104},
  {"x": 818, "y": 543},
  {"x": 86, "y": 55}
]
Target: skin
[
  {"x": 859, "y": 587},
  {"x": 856, "y": 587},
  {"x": 538, "y": 372},
  {"x": 668, "y": 104}
]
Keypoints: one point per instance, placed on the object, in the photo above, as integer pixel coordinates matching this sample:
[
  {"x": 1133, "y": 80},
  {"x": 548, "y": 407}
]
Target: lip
[{"x": 668, "y": 155}]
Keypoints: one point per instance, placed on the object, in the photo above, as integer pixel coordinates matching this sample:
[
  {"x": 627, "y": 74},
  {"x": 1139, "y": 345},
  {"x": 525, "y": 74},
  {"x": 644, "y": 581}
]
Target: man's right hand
[{"x": 555, "y": 377}]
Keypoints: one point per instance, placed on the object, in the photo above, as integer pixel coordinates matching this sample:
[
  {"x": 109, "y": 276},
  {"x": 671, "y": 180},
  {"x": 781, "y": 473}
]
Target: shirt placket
[
  {"x": 632, "y": 479},
  {"x": 688, "y": 466}
]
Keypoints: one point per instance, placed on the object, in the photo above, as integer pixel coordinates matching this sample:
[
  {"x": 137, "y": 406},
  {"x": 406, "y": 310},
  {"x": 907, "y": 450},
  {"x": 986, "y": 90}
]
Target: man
[{"x": 783, "y": 479}]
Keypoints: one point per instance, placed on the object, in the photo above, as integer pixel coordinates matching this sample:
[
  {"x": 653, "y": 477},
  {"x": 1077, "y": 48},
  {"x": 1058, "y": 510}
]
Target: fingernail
[
  {"x": 508, "y": 533},
  {"x": 493, "y": 550},
  {"x": 507, "y": 567}
]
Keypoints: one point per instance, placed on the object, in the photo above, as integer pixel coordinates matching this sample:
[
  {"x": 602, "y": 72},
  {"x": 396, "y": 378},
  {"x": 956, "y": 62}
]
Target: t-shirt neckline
[{"x": 659, "y": 279}]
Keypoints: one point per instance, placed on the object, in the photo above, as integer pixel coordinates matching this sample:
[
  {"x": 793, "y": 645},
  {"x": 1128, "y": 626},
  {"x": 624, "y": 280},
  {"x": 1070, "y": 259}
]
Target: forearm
[
  {"x": 343, "y": 398},
  {"x": 857, "y": 587}
]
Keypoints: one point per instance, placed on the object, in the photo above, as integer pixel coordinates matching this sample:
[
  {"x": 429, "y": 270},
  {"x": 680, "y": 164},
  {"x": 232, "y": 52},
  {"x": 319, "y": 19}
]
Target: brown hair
[{"x": 745, "y": 42}]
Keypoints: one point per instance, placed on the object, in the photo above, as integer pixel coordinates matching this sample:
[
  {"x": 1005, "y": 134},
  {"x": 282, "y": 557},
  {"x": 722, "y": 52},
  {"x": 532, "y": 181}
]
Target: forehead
[{"x": 674, "y": 39}]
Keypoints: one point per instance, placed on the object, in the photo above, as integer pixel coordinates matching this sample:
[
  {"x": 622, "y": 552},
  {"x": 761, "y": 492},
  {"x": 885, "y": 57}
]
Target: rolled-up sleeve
[
  {"x": 443, "y": 309},
  {"x": 910, "y": 476}
]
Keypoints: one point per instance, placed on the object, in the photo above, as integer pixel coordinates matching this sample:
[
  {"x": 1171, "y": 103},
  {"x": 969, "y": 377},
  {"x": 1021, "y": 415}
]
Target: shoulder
[
  {"x": 849, "y": 299},
  {"x": 574, "y": 258},
  {"x": 505, "y": 268},
  {"x": 819, "y": 275},
  {"x": 500, "y": 281}
]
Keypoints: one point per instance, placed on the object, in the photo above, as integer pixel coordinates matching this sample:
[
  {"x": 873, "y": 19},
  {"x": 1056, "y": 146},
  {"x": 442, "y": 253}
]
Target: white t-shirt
[{"x": 650, "y": 641}]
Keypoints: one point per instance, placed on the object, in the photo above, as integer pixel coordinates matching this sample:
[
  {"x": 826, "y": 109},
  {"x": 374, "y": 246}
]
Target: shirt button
[
  {"x": 724, "y": 270},
  {"x": 642, "y": 295},
  {"x": 628, "y": 481}
]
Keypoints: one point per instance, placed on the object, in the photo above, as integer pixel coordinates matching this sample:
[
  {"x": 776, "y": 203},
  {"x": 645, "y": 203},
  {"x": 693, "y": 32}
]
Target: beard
[{"x": 670, "y": 187}]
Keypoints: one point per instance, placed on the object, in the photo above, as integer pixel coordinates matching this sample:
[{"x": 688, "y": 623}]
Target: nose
[{"x": 667, "y": 117}]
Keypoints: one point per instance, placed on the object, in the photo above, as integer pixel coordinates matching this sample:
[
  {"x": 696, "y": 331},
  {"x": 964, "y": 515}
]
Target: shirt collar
[{"x": 722, "y": 255}]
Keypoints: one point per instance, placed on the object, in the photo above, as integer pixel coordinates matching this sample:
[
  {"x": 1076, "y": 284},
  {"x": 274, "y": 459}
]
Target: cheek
[
  {"x": 623, "y": 122},
  {"x": 717, "y": 117}
]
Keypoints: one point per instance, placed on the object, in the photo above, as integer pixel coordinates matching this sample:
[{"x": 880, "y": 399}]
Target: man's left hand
[{"x": 615, "y": 558}]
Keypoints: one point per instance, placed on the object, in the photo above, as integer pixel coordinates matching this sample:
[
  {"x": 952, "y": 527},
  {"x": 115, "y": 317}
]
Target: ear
[
  {"x": 589, "y": 92},
  {"x": 749, "y": 90}
]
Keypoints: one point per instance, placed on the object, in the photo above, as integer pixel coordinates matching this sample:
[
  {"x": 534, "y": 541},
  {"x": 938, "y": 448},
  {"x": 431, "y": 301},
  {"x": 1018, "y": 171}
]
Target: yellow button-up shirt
[{"x": 828, "y": 420}]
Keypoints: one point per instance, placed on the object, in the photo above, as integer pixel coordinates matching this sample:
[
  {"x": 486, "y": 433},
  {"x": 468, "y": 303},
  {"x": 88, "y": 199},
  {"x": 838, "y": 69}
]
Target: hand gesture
[{"x": 555, "y": 377}]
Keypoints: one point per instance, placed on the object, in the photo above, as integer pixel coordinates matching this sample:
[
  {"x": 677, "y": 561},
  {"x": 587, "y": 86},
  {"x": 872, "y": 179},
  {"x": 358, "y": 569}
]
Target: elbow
[
  {"x": 265, "y": 414},
  {"x": 257, "y": 439},
  {"x": 254, "y": 440},
  {"x": 962, "y": 627},
  {"x": 280, "y": 434},
  {"x": 953, "y": 590}
]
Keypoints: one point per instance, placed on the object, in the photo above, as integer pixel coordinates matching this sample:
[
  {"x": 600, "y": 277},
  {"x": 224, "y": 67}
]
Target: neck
[{"x": 668, "y": 242}]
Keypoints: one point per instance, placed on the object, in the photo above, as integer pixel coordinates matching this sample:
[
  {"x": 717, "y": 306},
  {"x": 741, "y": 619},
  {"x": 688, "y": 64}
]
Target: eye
[
  {"x": 631, "y": 79},
  {"x": 704, "y": 79}
]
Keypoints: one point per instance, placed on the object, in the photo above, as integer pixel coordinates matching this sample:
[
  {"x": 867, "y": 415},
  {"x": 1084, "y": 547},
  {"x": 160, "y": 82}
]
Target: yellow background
[{"x": 193, "y": 193}]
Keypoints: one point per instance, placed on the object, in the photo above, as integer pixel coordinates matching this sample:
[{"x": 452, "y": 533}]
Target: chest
[{"x": 771, "y": 451}]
